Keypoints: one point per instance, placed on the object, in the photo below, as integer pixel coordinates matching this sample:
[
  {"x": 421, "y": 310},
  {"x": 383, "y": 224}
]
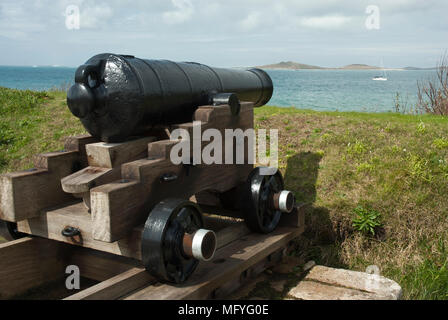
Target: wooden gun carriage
[{"x": 129, "y": 199}]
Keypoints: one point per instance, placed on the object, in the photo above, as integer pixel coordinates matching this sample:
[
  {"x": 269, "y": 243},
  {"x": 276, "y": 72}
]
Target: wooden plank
[
  {"x": 88, "y": 178},
  {"x": 51, "y": 222},
  {"x": 231, "y": 233},
  {"x": 98, "y": 265},
  {"x": 219, "y": 118},
  {"x": 107, "y": 223},
  {"x": 116, "y": 287},
  {"x": 220, "y": 113},
  {"x": 111, "y": 155},
  {"x": 78, "y": 143},
  {"x": 229, "y": 263},
  {"x": 23, "y": 194},
  {"x": 161, "y": 149},
  {"x": 247, "y": 276},
  {"x": 29, "y": 262}
]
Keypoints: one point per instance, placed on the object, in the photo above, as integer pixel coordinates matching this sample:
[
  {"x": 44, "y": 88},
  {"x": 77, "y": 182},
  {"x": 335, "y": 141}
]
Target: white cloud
[
  {"x": 325, "y": 22},
  {"x": 306, "y": 31},
  {"x": 252, "y": 21},
  {"x": 184, "y": 11},
  {"x": 93, "y": 17}
]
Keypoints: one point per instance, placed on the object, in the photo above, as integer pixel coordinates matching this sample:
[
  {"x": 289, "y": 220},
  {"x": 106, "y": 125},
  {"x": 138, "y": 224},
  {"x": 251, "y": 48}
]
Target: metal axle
[{"x": 200, "y": 245}]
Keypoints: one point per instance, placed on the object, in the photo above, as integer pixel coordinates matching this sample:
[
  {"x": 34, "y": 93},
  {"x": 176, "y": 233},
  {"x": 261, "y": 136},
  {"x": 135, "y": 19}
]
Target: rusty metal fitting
[
  {"x": 283, "y": 201},
  {"x": 200, "y": 245}
]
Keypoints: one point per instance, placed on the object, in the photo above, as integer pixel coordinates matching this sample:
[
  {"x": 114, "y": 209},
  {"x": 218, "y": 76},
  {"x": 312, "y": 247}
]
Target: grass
[
  {"x": 32, "y": 122},
  {"x": 393, "y": 165}
]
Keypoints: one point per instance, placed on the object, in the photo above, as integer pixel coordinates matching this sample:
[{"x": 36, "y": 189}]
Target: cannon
[
  {"x": 117, "y": 190},
  {"x": 118, "y": 96}
]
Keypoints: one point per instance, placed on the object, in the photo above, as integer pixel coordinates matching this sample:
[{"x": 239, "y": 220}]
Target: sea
[{"x": 322, "y": 90}]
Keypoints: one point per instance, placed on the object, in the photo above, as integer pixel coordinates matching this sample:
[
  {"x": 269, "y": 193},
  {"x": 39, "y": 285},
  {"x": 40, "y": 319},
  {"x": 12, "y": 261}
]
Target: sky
[{"x": 226, "y": 33}]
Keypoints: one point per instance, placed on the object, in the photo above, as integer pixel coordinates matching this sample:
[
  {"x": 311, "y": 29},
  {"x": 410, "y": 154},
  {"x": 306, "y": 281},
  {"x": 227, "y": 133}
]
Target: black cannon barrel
[{"x": 118, "y": 96}]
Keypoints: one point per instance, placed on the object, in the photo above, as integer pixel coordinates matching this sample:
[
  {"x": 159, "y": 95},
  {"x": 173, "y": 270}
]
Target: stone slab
[{"x": 336, "y": 284}]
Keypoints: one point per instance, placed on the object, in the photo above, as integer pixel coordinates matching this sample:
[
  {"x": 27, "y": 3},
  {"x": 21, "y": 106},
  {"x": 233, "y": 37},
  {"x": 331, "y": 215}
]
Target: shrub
[
  {"x": 432, "y": 94},
  {"x": 366, "y": 220}
]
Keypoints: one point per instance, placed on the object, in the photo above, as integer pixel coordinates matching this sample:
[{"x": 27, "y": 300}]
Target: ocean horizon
[{"x": 321, "y": 90}]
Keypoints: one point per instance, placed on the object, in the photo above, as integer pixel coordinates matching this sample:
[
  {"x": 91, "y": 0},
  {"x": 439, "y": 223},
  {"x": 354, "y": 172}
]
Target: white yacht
[{"x": 383, "y": 77}]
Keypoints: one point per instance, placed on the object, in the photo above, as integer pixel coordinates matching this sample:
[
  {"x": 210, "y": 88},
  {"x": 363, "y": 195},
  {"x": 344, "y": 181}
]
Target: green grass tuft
[{"x": 366, "y": 220}]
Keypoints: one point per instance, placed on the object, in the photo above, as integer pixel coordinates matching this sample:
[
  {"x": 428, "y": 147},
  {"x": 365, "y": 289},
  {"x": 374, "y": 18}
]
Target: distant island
[{"x": 291, "y": 65}]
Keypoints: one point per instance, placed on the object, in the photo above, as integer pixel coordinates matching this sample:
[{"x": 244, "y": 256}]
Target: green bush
[{"x": 366, "y": 220}]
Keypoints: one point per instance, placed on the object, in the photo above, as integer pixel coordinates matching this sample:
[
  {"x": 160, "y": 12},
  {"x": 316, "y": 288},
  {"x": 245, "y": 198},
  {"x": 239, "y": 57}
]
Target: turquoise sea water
[
  {"x": 344, "y": 90},
  {"x": 36, "y": 78}
]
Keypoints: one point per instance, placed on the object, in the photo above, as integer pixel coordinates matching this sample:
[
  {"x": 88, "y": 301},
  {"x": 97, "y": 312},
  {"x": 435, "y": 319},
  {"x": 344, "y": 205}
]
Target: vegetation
[
  {"x": 433, "y": 93},
  {"x": 367, "y": 220},
  {"x": 32, "y": 122},
  {"x": 385, "y": 172},
  {"x": 359, "y": 171}
]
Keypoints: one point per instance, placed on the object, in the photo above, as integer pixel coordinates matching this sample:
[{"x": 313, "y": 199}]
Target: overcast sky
[{"x": 225, "y": 33}]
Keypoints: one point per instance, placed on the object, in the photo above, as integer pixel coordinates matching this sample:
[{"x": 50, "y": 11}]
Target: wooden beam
[
  {"x": 30, "y": 262},
  {"x": 51, "y": 222},
  {"x": 78, "y": 143},
  {"x": 23, "y": 194},
  {"x": 100, "y": 266},
  {"x": 111, "y": 155},
  {"x": 88, "y": 178},
  {"x": 116, "y": 287}
]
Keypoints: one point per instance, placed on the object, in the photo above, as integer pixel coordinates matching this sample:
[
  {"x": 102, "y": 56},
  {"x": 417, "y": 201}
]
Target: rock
[
  {"x": 310, "y": 290},
  {"x": 339, "y": 284},
  {"x": 357, "y": 280},
  {"x": 309, "y": 265}
]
